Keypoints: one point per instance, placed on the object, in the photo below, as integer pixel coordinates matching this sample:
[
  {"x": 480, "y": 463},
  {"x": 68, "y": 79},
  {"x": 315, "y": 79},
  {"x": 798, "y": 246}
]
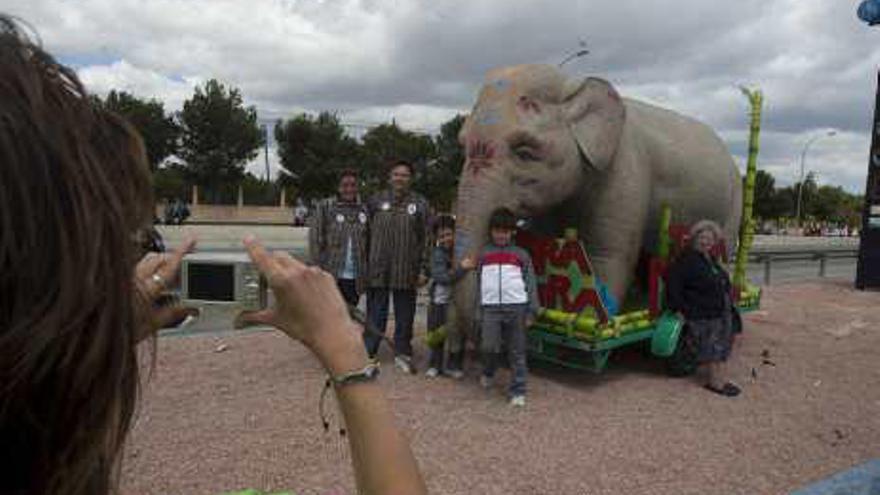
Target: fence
[{"x": 820, "y": 255}]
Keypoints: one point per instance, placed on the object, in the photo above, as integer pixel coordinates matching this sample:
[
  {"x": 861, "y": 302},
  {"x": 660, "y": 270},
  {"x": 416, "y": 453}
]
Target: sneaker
[
  {"x": 454, "y": 374},
  {"x": 486, "y": 381},
  {"x": 432, "y": 373},
  {"x": 404, "y": 364},
  {"x": 518, "y": 401}
]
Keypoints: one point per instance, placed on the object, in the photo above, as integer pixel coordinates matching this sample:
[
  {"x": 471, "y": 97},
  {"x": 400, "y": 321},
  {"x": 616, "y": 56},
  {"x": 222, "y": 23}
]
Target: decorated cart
[{"x": 578, "y": 326}]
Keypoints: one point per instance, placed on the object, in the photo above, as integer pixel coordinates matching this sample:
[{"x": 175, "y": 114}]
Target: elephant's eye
[{"x": 526, "y": 154}]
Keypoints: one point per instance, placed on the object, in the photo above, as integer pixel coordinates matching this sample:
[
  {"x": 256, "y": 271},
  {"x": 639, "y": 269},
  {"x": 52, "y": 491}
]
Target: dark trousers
[
  {"x": 348, "y": 288},
  {"x": 404, "y": 314}
]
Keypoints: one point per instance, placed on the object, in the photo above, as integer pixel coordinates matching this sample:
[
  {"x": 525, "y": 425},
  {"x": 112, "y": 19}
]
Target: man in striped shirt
[
  {"x": 338, "y": 238},
  {"x": 398, "y": 259}
]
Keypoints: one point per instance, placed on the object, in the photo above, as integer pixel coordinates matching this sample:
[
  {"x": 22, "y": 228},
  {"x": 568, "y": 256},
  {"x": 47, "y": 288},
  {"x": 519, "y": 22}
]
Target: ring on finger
[{"x": 158, "y": 280}]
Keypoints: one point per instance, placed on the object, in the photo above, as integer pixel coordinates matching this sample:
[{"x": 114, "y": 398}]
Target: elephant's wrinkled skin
[{"x": 571, "y": 152}]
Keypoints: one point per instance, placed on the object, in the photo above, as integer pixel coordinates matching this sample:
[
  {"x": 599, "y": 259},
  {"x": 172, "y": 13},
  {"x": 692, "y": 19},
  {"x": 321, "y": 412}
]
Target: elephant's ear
[{"x": 595, "y": 117}]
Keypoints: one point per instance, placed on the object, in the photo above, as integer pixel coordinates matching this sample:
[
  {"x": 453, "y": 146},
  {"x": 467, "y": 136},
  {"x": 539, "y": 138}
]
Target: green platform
[{"x": 564, "y": 349}]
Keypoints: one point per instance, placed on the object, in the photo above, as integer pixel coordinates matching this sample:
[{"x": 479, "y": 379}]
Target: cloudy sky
[{"x": 421, "y": 61}]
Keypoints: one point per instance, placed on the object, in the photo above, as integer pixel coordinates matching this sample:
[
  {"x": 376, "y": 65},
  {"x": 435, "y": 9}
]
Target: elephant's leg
[
  {"x": 614, "y": 229},
  {"x": 614, "y": 255}
]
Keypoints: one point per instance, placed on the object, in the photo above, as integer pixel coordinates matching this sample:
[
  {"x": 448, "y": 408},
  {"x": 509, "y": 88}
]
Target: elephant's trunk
[{"x": 479, "y": 194}]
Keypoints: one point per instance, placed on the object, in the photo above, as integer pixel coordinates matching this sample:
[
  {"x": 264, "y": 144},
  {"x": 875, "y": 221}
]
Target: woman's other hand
[{"x": 154, "y": 274}]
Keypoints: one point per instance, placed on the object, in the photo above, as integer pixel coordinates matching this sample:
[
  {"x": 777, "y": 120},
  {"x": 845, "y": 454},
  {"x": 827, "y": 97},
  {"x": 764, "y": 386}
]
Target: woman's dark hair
[
  {"x": 502, "y": 218},
  {"x": 444, "y": 222},
  {"x": 74, "y": 191}
]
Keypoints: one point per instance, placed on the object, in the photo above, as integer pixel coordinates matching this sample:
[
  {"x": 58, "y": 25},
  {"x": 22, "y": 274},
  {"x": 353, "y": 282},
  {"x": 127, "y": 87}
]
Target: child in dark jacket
[
  {"x": 443, "y": 276},
  {"x": 508, "y": 302}
]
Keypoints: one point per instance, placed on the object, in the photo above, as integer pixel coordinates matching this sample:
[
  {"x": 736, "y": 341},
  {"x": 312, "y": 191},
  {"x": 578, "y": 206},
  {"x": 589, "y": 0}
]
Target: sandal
[{"x": 728, "y": 390}]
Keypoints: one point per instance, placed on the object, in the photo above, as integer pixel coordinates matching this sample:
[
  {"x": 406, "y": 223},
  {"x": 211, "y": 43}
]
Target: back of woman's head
[{"x": 74, "y": 189}]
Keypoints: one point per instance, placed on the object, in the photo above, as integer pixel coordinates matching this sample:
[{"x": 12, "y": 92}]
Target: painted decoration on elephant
[
  {"x": 565, "y": 276},
  {"x": 480, "y": 154},
  {"x": 501, "y": 84},
  {"x": 489, "y": 116}
]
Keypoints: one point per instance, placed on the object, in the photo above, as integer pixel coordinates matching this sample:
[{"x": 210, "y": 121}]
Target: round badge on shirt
[
  {"x": 340, "y": 217},
  {"x": 411, "y": 208},
  {"x": 386, "y": 206},
  {"x": 362, "y": 217}
]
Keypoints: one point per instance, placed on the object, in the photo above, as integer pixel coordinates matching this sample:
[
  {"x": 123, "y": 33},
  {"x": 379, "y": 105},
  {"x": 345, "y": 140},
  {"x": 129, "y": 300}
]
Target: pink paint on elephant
[{"x": 480, "y": 155}]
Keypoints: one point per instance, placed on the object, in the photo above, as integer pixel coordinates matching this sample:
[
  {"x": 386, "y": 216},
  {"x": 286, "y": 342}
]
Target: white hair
[{"x": 702, "y": 225}]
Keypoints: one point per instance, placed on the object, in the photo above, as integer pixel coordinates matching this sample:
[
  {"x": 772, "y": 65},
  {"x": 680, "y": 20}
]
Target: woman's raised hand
[{"x": 309, "y": 308}]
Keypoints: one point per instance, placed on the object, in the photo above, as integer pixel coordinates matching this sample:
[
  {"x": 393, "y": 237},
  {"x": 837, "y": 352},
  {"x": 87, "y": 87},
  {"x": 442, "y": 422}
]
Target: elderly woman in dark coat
[{"x": 698, "y": 289}]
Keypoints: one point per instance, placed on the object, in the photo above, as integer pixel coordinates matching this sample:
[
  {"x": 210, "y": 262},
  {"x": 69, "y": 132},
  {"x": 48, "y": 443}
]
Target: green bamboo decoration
[
  {"x": 747, "y": 224},
  {"x": 663, "y": 234}
]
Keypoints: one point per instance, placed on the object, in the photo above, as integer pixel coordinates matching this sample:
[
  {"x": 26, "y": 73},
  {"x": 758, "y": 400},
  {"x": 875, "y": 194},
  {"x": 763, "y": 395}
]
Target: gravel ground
[{"x": 240, "y": 410}]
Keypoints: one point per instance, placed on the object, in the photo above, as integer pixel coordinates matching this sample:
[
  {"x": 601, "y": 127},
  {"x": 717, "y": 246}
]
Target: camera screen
[{"x": 211, "y": 282}]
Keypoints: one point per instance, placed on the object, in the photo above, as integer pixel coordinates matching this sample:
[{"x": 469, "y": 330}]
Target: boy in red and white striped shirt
[{"x": 508, "y": 302}]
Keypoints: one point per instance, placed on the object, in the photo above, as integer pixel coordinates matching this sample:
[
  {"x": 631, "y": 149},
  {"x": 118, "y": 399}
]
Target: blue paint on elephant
[
  {"x": 501, "y": 84},
  {"x": 489, "y": 116}
]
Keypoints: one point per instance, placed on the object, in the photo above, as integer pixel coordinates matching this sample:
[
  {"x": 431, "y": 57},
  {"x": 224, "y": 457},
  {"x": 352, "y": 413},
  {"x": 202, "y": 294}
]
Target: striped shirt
[
  {"x": 399, "y": 240},
  {"x": 506, "y": 277},
  {"x": 334, "y": 227}
]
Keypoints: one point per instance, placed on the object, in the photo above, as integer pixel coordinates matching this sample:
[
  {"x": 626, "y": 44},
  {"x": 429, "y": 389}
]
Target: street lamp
[
  {"x": 577, "y": 54},
  {"x": 580, "y": 53},
  {"x": 801, "y": 182},
  {"x": 265, "y": 129}
]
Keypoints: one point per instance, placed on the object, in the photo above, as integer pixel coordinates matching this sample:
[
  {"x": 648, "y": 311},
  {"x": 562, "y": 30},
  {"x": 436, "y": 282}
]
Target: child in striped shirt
[{"x": 508, "y": 302}]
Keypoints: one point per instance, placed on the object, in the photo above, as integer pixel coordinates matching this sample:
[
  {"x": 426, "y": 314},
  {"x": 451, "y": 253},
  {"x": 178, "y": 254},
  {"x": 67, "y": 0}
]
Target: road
[
  {"x": 228, "y": 238},
  {"x": 216, "y": 318},
  {"x": 798, "y": 271}
]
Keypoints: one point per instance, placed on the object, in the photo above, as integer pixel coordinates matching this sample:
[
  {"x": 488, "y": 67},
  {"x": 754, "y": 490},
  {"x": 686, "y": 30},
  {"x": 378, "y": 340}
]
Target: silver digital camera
[{"x": 222, "y": 278}]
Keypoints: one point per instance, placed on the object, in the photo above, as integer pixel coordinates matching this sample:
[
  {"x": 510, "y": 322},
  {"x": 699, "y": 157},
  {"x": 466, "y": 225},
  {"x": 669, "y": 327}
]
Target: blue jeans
[
  {"x": 505, "y": 324},
  {"x": 404, "y": 315}
]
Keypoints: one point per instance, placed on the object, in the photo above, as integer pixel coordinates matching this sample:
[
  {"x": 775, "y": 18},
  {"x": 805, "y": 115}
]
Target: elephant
[{"x": 570, "y": 152}]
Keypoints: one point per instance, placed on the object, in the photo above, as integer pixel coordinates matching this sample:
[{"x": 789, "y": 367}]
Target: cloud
[
  {"x": 121, "y": 75},
  {"x": 421, "y": 62}
]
